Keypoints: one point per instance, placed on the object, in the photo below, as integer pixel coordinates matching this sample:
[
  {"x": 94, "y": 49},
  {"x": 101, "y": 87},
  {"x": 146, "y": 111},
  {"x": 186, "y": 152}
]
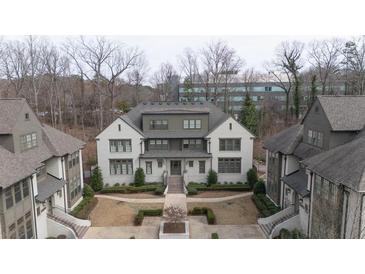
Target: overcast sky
[{"x": 255, "y": 50}]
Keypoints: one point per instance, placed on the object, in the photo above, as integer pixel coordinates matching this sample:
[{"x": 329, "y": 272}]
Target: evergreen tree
[
  {"x": 248, "y": 116},
  {"x": 97, "y": 180}
]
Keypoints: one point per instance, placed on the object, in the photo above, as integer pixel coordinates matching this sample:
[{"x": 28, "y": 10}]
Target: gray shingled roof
[
  {"x": 303, "y": 151},
  {"x": 13, "y": 168},
  {"x": 286, "y": 140},
  {"x": 297, "y": 181},
  {"x": 48, "y": 186},
  {"x": 175, "y": 154},
  {"x": 216, "y": 115},
  {"x": 345, "y": 113},
  {"x": 59, "y": 142},
  {"x": 9, "y": 108},
  {"x": 344, "y": 164}
]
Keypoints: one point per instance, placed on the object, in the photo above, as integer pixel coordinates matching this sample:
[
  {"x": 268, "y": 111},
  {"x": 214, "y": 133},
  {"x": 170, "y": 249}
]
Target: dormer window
[
  {"x": 28, "y": 141},
  {"x": 315, "y": 138},
  {"x": 159, "y": 124}
]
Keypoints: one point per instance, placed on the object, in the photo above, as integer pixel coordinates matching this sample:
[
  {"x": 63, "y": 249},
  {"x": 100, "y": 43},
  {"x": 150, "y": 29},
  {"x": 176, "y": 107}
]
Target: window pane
[
  {"x": 18, "y": 194},
  {"x": 25, "y": 189},
  {"x": 198, "y": 123},
  {"x": 186, "y": 123},
  {"x": 9, "y": 198}
]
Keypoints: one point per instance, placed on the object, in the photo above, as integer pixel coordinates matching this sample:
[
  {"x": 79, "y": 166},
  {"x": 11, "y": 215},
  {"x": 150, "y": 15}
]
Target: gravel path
[{"x": 162, "y": 200}]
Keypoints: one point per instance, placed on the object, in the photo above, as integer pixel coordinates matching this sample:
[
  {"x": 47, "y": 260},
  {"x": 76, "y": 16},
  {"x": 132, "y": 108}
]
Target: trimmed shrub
[
  {"x": 117, "y": 184},
  {"x": 252, "y": 177},
  {"x": 212, "y": 177},
  {"x": 259, "y": 188},
  {"x": 146, "y": 212},
  {"x": 160, "y": 190},
  {"x": 139, "y": 177},
  {"x": 192, "y": 190},
  {"x": 210, "y": 217},
  {"x": 88, "y": 192},
  {"x": 132, "y": 189},
  {"x": 285, "y": 234},
  {"x": 97, "y": 180},
  {"x": 204, "y": 211},
  {"x": 265, "y": 205},
  {"x": 215, "y": 235}
]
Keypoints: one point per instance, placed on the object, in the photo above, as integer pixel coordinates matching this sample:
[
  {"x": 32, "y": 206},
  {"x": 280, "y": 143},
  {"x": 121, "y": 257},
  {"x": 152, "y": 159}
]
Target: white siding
[
  {"x": 54, "y": 167},
  {"x": 104, "y": 154},
  {"x": 246, "y": 153}
]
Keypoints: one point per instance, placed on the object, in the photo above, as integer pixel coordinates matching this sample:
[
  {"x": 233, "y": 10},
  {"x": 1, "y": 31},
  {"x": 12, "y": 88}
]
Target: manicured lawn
[
  {"x": 238, "y": 211},
  {"x": 115, "y": 213}
]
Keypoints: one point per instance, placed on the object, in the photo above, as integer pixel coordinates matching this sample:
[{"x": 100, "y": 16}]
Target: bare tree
[
  {"x": 174, "y": 214},
  {"x": 214, "y": 58},
  {"x": 165, "y": 80},
  {"x": 189, "y": 67},
  {"x": 325, "y": 58},
  {"x": 285, "y": 71},
  {"x": 354, "y": 63},
  {"x": 14, "y": 65},
  {"x": 120, "y": 61},
  {"x": 36, "y": 66},
  {"x": 94, "y": 53},
  {"x": 138, "y": 74}
]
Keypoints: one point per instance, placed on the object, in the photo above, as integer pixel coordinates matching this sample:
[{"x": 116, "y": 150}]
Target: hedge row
[
  {"x": 204, "y": 211},
  {"x": 286, "y": 234},
  {"x": 215, "y": 235},
  {"x": 265, "y": 205},
  {"x": 158, "y": 188},
  {"x": 146, "y": 212},
  {"x": 193, "y": 188}
]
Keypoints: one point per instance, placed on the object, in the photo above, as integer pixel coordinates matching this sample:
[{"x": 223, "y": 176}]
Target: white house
[{"x": 175, "y": 139}]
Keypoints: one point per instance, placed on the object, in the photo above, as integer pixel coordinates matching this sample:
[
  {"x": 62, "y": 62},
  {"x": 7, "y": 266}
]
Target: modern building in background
[
  {"x": 41, "y": 176},
  {"x": 261, "y": 93},
  {"x": 175, "y": 142},
  {"x": 316, "y": 171}
]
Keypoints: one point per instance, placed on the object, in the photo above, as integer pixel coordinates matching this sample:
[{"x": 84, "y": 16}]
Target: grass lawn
[
  {"x": 116, "y": 213},
  {"x": 240, "y": 211}
]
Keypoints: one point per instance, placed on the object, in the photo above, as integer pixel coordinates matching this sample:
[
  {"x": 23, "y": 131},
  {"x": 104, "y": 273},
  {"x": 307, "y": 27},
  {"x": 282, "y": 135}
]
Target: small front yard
[
  {"x": 240, "y": 211},
  {"x": 116, "y": 213}
]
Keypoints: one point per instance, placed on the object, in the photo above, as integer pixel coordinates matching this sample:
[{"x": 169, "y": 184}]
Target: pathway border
[{"x": 162, "y": 200}]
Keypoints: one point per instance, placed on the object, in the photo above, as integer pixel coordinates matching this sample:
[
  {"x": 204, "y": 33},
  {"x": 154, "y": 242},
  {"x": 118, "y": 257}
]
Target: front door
[{"x": 175, "y": 167}]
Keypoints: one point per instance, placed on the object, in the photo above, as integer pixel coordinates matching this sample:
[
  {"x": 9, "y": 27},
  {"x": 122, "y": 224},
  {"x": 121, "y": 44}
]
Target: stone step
[{"x": 79, "y": 230}]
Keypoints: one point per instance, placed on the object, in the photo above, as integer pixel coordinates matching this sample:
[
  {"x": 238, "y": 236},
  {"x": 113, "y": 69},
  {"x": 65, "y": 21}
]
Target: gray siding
[
  {"x": 24, "y": 126},
  {"x": 273, "y": 185},
  {"x": 316, "y": 120},
  {"x": 13, "y": 214},
  {"x": 326, "y": 213},
  {"x": 175, "y": 121}
]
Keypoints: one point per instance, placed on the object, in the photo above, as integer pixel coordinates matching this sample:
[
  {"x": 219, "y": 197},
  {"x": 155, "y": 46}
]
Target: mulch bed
[
  {"x": 174, "y": 228},
  {"x": 85, "y": 212}
]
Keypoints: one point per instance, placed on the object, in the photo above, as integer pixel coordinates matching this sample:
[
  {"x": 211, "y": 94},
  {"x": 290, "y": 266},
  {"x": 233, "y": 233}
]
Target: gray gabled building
[
  {"x": 41, "y": 177},
  {"x": 316, "y": 170}
]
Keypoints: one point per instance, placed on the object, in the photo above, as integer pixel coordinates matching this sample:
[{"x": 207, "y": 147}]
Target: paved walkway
[
  {"x": 217, "y": 200},
  {"x": 133, "y": 200},
  {"x": 177, "y": 200},
  {"x": 162, "y": 200},
  {"x": 199, "y": 229}
]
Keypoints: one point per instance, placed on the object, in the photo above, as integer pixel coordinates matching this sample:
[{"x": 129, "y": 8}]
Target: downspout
[
  {"x": 282, "y": 184},
  {"x": 34, "y": 208},
  {"x": 360, "y": 221},
  {"x": 64, "y": 187},
  {"x": 310, "y": 203}
]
